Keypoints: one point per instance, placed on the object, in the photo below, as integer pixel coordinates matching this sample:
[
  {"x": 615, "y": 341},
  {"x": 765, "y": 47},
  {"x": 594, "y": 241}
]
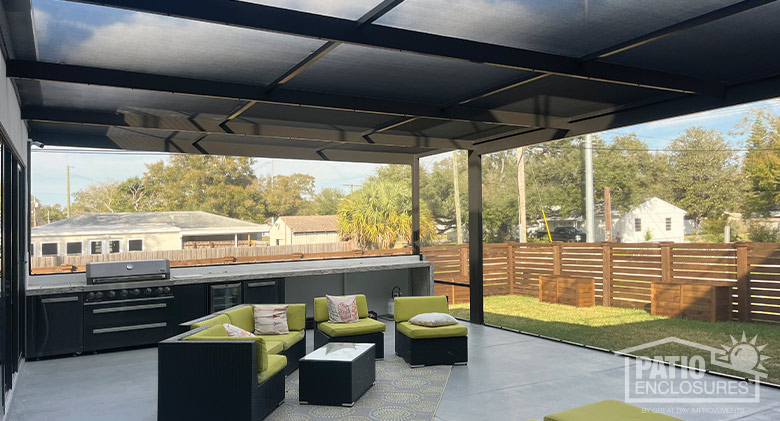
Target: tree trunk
[
  {"x": 521, "y": 195},
  {"x": 456, "y": 187}
]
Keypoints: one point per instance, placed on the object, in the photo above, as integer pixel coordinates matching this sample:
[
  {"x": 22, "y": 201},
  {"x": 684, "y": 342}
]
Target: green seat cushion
[
  {"x": 321, "y": 307},
  {"x": 214, "y": 321},
  {"x": 610, "y": 410},
  {"x": 243, "y": 317},
  {"x": 274, "y": 347},
  {"x": 404, "y": 308},
  {"x": 425, "y": 332},
  {"x": 276, "y": 363},
  {"x": 363, "y": 327},
  {"x": 287, "y": 340}
]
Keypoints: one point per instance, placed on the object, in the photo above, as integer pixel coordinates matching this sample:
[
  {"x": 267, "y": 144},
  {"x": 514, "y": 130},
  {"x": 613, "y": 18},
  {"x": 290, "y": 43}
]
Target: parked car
[{"x": 567, "y": 234}]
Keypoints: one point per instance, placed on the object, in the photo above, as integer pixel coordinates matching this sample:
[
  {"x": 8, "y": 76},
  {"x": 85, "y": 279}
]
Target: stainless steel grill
[{"x": 142, "y": 270}]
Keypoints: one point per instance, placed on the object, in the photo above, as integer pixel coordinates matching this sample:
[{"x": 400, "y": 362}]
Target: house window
[
  {"x": 668, "y": 224},
  {"x": 49, "y": 249},
  {"x": 113, "y": 246},
  {"x": 638, "y": 224},
  {"x": 95, "y": 247},
  {"x": 135, "y": 245},
  {"x": 73, "y": 248}
]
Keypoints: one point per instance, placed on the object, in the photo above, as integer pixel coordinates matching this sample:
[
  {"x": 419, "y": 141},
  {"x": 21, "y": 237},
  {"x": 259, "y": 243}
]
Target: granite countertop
[{"x": 77, "y": 282}]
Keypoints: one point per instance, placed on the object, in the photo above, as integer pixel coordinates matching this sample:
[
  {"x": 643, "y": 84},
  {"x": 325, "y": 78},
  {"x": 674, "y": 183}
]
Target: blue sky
[{"x": 48, "y": 165}]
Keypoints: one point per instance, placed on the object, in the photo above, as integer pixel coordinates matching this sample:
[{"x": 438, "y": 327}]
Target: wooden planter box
[
  {"x": 698, "y": 302},
  {"x": 578, "y": 292}
]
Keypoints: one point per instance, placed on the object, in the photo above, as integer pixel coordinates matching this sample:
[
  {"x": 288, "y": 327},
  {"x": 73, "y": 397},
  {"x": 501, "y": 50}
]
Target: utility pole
[
  {"x": 34, "y": 212},
  {"x": 607, "y": 216},
  {"x": 521, "y": 195},
  {"x": 456, "y": 187},
  {"x": 67, "y": 184},
  {"x": 590, "y": 228},
  {"x": 351, "y": 187}
]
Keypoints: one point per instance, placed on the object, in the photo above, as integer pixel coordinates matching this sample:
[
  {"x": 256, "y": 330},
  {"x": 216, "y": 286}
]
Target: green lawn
[{"x": 619, "y": 328}]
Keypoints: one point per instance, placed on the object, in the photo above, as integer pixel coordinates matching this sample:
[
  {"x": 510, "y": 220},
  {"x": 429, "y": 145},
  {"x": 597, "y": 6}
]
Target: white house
[{"x": 662, "y": 220}]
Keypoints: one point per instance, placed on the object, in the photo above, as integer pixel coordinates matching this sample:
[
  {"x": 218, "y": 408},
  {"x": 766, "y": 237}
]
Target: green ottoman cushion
[
  {"x": 610, "y": 410},
  {"x": 363, "y": 327},
  {"x": 425, "y": 332}
]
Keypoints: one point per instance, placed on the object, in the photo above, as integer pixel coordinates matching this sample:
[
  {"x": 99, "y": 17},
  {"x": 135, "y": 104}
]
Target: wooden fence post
[
  {"x": 510, "y": 267},
  {"x": 556, "y": 259},
  {"x": 606, "y": 258},
  {"x": 743, "y": 282},
  {"x": 666, "y": 262}
]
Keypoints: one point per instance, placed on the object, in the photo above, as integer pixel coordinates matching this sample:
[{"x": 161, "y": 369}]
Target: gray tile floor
[{"x": 509, "y": 377}]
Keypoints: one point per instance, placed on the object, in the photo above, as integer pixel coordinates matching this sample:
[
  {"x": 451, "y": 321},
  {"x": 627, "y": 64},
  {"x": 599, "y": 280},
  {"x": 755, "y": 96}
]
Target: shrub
[{"x": 763, "y": 233}]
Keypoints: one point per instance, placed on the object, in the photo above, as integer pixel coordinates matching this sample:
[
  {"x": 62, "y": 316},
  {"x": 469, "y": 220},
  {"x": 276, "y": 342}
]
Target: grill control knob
[
  {"x": 123, "y": 293},
  {"x": 99, "y": 295},
  {"x": 159, "y": 291},
  {"x": 167, "y": 290},
  {"x": 148, "y": 291},
  {"x": 136, "y": 292},
  {"x": 111, "y": 294},
  {"x": 91, "y": 295}
]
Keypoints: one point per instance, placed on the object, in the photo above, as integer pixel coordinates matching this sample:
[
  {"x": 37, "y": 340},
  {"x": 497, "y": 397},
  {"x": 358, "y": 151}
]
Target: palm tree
[{"x": 380, "y": 214}]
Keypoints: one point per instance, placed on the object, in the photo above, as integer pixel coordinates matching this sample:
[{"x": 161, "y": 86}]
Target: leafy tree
[
  {"x": 762, "y": 162},
  {"x": 764, "y": 233},
  {"x": 437, "y": 191},
  {"x": 286, "y": 195},
  {"x": 554, "y": 172},
  {"x": 704, "y": 172},
  {"x": 46, "y": 214},
  {"x": 326, "y": 202},
  {"x": 97, "y": 198},
  {"x": 379, "y": 214}
]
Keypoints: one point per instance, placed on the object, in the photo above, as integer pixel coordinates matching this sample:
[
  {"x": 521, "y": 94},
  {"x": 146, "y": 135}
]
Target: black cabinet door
[
  {"x": 56, "y": 325},
  {"x": 264, "y": 291},
  {"x": 190, "y": 303}
]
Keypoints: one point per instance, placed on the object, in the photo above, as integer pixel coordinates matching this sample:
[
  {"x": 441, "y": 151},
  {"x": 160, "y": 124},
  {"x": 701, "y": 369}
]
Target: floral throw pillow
[
  {"x": 237, "y": 332},
  {"x": 271, "y": 319},
  {"x": 342, "y": 309}
]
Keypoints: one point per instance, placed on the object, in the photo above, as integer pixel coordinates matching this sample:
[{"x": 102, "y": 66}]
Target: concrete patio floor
[{"x": 509, "y": 377}]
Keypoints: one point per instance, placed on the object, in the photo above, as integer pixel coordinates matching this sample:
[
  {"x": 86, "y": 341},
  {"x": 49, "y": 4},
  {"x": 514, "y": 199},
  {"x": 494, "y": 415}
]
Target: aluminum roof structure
[{"x": 388, "y": 82}]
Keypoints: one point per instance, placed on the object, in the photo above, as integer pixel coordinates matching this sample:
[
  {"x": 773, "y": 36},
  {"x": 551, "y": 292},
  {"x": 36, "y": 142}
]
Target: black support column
[
  {"x": 475, "y": 237},
  {"x": 416, "y": 205}
]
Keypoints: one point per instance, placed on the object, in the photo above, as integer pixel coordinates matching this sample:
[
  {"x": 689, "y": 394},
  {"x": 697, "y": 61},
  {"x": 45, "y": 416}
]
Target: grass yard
[{"x": 620, "y": 328}]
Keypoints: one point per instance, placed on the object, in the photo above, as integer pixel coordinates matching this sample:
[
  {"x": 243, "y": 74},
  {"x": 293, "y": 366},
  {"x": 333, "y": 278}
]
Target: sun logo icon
[{"x": 745, "y": 356}]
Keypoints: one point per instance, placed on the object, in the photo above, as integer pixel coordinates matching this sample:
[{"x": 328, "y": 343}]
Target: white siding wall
[
  {"x": 315, "y": 237},
  {"x": 151, "y": 242}
]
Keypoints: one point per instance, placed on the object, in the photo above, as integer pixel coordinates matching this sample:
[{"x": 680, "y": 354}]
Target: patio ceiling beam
[
  {"x": 292, "y": 22},
  {"x": 217, "y": 147},
  {"x": 84, "y": 75},
  {"x": 239, "y": 128},
  {"x": 665, "y": 107}
]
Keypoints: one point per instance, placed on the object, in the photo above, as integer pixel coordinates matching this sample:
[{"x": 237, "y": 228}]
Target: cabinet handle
[
  {"x": 128, "y": 308},
  {"x": 60, "y": 299},
  {"x": 224, "y": 286},
  {"x": 126, "y": 328},
  {"x": 261, "y": 284}
]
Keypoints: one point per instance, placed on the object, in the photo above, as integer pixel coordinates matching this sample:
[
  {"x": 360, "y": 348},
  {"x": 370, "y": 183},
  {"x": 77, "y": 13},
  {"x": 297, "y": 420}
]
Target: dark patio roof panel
[
  {"x": 699, "y": 51},
  {"x": 109, "y": 99},
  {"x": 367, "y": 72},
  {"x": 314, "y": 117},
  {"x": 566, "y": 27},
  {"x": 80, "y": 34},
  {"x": 451, "y": 129},
  {"x": 347, "y": 9},
  {"x": 565, "y": 97}
]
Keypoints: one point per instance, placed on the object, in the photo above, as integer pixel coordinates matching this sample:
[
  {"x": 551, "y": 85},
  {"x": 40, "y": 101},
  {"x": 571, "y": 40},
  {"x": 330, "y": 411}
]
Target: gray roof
[
  {"x": 186, "y": 222},
  {"x": 376, "y": 81}
]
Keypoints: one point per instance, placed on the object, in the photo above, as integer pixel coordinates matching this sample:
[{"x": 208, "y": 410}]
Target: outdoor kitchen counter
[{"x": 422, "y": 278}]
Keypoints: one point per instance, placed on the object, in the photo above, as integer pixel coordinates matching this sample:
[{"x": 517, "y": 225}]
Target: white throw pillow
[
  {"x": 342, "y": 309},
  {"x": 271, "y": 319},
  {"x": 433, "y": 319},
  {"x": 237, "y": 332}
]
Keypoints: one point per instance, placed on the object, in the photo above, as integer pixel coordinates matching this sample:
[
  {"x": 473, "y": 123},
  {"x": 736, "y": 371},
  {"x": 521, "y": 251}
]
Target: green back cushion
[
  {"x": 321, "y": 308},
  {"x": 407, "y": 307},
  {"x": 296, "y": 317},
  {"x": 242, "y": 317},
  {"x": 214, "y": 321}
]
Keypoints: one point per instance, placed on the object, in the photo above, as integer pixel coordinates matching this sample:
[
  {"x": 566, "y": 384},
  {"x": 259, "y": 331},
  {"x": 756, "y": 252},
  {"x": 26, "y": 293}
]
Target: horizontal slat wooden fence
[{"x": 622, "y": 272}]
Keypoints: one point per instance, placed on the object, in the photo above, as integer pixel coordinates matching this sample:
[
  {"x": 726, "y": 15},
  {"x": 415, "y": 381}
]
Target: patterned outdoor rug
[{"x": 401, "y": 393}]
